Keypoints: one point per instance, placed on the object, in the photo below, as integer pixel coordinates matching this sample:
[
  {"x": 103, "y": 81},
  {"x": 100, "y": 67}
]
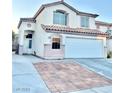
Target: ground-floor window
[{"x": 56, "y": 43}]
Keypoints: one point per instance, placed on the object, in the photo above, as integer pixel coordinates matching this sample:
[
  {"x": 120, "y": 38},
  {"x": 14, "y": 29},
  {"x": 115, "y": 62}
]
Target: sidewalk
[{"x": 25, "y": 77}]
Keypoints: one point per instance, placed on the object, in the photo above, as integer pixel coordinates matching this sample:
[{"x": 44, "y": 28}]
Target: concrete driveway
[{"x": 101, "y": 66}]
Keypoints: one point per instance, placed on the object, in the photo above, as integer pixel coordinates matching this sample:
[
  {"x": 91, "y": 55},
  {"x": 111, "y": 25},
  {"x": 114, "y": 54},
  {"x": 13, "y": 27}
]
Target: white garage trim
[
  {"x": 92, "y": 38},
  {"x": 79, "y": 47}
]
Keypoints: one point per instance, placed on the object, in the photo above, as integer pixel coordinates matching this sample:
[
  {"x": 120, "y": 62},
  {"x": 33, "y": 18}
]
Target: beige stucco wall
[
  {"x": 23, "y": 29},
  {"x": 46, "y": 17},
  {"x": 104, "y": 28},
  {"x": 39, "y": 39},
  {"x": 48, "y": 41}
]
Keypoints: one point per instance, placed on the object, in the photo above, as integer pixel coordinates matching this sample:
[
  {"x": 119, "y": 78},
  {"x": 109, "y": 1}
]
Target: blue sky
[{"x": 27, "y": 8}]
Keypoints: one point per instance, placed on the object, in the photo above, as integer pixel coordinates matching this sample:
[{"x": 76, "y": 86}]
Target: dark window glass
[
  {"x": 30, "y": 43},
  {"x": 55, "y": 45},
  {"x": 29, "y": 36}
]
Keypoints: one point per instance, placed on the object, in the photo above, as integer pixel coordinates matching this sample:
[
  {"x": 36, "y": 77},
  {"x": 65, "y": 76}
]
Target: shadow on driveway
[{"x": 101, "y": 66}]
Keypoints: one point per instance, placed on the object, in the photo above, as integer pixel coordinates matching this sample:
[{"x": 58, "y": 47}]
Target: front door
[{"x": 28, "y": 45}]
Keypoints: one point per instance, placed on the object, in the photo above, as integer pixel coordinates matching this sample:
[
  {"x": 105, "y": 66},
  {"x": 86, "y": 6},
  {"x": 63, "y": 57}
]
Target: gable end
[{"x": 67, "y": 5}]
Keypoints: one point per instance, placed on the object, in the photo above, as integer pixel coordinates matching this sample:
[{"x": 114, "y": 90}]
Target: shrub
[{"x": 109, "y": 54}]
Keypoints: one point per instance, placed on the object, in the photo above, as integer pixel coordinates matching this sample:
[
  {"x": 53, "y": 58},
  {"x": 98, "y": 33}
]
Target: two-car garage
[{"x": 84, "y": 48}]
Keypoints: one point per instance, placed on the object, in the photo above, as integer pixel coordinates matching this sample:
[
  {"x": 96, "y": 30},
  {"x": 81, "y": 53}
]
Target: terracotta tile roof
[{"x": 64, "y": 29}]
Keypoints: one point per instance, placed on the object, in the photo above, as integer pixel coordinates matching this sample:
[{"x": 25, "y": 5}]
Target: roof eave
[
  {"x": 19, "y": 24},
  {"x": 25, "y": 20},
  {"x": 38, "y": 12},
  {"x": 103, "y": 23},
  {"x": 87, "y": 14}
]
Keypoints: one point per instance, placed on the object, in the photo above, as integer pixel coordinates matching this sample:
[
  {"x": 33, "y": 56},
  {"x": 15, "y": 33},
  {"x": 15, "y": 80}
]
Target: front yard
[{"x": 35, "y": 75}]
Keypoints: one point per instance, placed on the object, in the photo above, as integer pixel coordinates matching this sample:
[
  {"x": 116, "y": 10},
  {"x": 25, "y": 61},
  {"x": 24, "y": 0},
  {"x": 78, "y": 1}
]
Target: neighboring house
[
  {"x": 107, "y": 28},
  {"x": 58, "y": 31}
]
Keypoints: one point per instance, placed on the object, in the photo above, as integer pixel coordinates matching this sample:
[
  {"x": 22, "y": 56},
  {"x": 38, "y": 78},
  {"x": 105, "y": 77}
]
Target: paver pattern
[{"x": 61, "y": 77}]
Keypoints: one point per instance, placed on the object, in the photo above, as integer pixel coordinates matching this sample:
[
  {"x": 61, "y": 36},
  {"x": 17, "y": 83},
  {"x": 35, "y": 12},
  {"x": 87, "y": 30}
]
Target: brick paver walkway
[{"x": 66, "y": 77}]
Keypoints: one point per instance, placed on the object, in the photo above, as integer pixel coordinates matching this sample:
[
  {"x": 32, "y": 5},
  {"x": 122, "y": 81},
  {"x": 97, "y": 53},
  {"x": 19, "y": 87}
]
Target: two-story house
[{"x": 58, "y": 31}]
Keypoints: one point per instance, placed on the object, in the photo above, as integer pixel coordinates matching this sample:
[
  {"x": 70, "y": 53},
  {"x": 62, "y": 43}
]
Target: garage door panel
[{"x": 83, "y": 48}]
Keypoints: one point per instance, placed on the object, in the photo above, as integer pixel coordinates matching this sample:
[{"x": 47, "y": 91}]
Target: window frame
[
  {"x": 65, "y": 16},
  {"x": 56, "y": 44},
  {"x": 86, "y": 21}
]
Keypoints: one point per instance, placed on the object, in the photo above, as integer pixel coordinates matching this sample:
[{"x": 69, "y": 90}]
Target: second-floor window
[
  {"x": 60, "y": 17},
  {"x": 84, "y": 21}
]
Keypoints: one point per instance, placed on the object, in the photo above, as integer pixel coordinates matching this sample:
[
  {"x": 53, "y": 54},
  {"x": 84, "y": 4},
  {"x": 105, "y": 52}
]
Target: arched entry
[{"x": 28, "y": 42}]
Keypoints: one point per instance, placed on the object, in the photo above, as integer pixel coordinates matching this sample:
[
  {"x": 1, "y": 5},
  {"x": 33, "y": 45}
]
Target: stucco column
[
  {"x": 21, "y": 42},
  {"x": 104, "y": 45},
  {"x": 105, "y": 48}
]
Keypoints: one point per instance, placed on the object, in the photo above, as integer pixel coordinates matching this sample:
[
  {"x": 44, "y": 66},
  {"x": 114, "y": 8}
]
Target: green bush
[{"x": 109, "y": 54}]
